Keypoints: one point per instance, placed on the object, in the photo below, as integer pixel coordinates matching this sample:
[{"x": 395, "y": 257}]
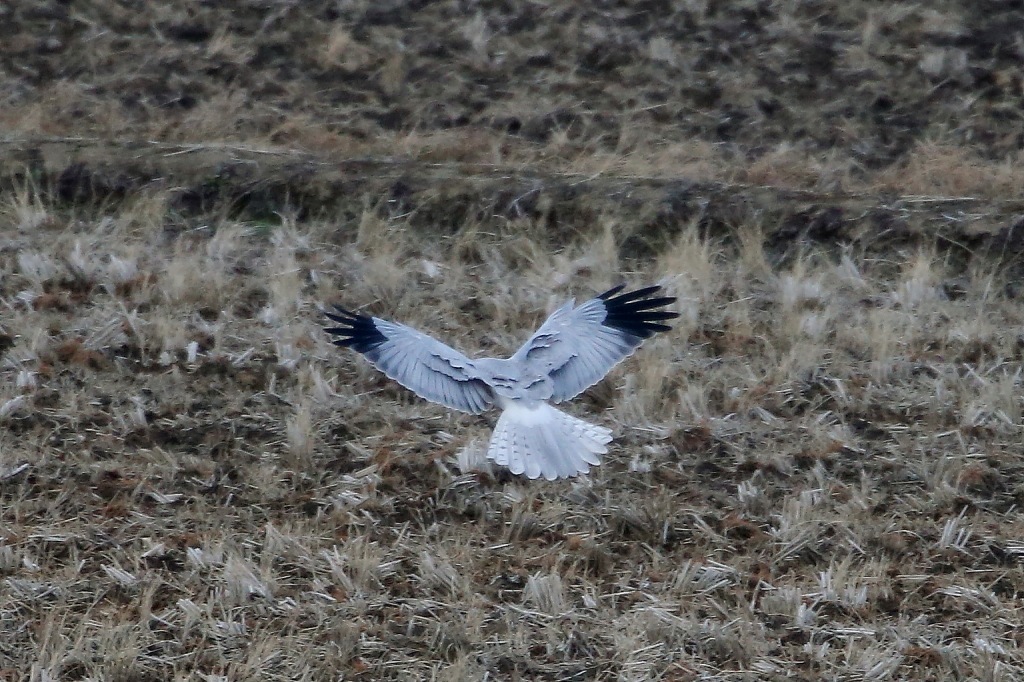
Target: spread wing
[
  {"x": 578, "y": 346},
  {"x": 422, "y": 364}
]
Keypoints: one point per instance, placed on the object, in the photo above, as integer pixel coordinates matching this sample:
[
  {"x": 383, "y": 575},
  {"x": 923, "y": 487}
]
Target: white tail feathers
[{"x": 539, "y": 440}]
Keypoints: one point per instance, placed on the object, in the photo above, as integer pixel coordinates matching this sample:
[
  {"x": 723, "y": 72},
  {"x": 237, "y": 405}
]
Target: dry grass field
[{"x": 817, "y": 475}]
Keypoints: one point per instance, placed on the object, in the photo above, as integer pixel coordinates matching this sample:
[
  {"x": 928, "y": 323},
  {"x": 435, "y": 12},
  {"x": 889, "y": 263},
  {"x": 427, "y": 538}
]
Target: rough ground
[{"x": 816, "y": 475}]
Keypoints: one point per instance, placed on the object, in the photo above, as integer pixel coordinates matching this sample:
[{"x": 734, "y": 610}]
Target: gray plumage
[{"x": 573, "y": 350}]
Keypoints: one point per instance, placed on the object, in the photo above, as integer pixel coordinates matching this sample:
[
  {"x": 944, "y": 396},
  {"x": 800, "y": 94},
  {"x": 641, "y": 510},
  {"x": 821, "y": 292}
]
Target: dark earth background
[{"x": 852, "y": 90}]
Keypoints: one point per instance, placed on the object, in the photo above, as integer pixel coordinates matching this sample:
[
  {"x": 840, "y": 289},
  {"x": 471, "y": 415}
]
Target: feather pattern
[
  {"x": 427, "y": 367},
  {"x": 544, "y": 441},
  {"x": 577, "y": 346},
  {"x": 574, "y": 349}
]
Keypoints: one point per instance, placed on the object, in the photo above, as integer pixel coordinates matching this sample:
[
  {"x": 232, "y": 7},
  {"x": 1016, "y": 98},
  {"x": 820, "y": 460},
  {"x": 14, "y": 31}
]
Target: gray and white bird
[{"x": 573, "y": 350}]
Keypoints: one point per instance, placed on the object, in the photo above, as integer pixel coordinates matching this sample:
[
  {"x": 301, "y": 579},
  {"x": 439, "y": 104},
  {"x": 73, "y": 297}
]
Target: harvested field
[{"x": 817, "y": 475}]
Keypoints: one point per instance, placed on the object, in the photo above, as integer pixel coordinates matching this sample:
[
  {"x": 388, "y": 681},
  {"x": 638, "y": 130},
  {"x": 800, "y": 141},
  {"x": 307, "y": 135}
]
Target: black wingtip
[
  {"x": 611, "y": 292},
  {"x": 636, "y": 312},
  {"x": 356, "y": 331}
]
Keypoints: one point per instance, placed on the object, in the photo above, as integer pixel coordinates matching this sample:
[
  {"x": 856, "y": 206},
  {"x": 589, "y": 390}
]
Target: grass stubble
[{"x": 815, "y": 473}]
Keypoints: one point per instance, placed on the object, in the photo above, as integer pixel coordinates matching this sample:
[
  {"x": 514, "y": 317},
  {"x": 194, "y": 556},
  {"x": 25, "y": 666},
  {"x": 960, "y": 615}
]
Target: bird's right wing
[
  {"x": 577, "y": 346},
  {"x": 424, "y": 365}
]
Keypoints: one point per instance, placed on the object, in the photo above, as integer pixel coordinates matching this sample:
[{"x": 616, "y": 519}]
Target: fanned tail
[{"x": 540, "y": 440}]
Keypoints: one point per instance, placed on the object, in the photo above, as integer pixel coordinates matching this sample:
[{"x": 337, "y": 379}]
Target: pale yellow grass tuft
[{"x": 935, "y": 169}]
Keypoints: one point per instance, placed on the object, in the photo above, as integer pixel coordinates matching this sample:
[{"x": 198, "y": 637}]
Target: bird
[{"x": 573, "y": 350}]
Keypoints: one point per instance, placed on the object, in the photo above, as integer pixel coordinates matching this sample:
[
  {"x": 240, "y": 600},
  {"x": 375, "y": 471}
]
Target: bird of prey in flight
[{"x": 573, "y": 350}]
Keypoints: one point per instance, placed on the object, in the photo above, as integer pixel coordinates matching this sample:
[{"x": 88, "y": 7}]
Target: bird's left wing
[
  {"x": 424, "y": 365},
  {"x": 578, "y": 346}
]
